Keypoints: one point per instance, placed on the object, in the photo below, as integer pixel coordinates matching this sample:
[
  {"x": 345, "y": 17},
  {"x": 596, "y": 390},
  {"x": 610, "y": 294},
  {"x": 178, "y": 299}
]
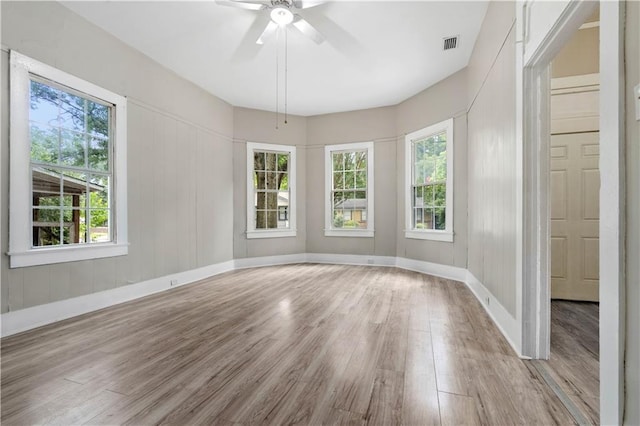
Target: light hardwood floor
[
  {"x": 575, "y": 362},
  {"x": 304, "y": 344}
]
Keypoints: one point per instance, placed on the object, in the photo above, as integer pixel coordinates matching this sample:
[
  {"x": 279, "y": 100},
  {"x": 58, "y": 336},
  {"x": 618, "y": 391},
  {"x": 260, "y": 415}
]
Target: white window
[
  {"x": 349, "y": 190},
  {"x": 271, "y": 183},
  {"x": 68, "y": 193},
  {"x": 429, "y": 182}
]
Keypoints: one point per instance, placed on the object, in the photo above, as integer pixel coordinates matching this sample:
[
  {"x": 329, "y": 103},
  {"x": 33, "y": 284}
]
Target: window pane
[
  {"x": 361, "y": 160},
  {"x": 338, "y": 219},
  {"x": 99, "y": 154},
  {"x": 350, "y": 180},
  {"x": 261, "y": 219},
  {"x": 44, "y": 103},
  {"x": 272, "y": 200},
  {"x": 428, "y": 195},
  {"x": 428, "y": 218},
  {"x": 98, "y": 118},
  {"x": 71, "y": 149},
  {"x": 283, "y": 178},
  {"x": 44, "y": 143},
  {"x": 271, "y": 163},
  {"x": 439, "y": 219},
  {"x": 349, "y": 160},
  {"x": 271, "y": 179},
  {"x": 338, "y": 199},
  {"x": 99, "y": 226},
  {"x": 283, "y": 162},
  {"x": 418, "y": 196},
  {"x": 45, "y": 183},
  {"x": 99, "y": 189},
  {"x": 46, "y": 227},
  {"x": 338, "y": 162},
  {"x": 259, "y": 161},
  {"x": 338, "y": 180},
  {"x": 439, "y": 194},
  {"x": 261, "y": 200},
  {"x": 259, "y": 181},
  {"x": 361, "y": 179}
]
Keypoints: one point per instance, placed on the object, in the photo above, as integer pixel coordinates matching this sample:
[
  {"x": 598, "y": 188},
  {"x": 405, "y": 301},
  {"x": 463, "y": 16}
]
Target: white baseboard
[
  {"x": 36, "y": 316},
  {"x": 256, "y": 262},
  {"x": 505, "y": 322},
  {"x": 444, "y": 271},
  {"x": 350, "y": 259}
]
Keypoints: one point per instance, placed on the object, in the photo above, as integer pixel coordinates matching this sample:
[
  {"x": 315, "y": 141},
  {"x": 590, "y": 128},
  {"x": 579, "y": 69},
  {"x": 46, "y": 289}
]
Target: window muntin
[
  {"x": 429, "y": 186},
  {"x": 68, "y": 180},
  {"x": 70, "y": 139},
  {"x": 349, "y": 180},
  {"x": 270, "y": 190},
  {"x": 429, "y": 169}
]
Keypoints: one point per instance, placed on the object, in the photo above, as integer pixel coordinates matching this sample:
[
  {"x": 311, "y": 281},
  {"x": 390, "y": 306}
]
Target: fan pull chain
[{"x": 286, "y": 71}]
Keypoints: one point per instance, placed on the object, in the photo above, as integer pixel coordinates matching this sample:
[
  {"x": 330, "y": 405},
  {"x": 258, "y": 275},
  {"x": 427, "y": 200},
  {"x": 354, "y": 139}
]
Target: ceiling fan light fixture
[{"x": 281, "y": 16}]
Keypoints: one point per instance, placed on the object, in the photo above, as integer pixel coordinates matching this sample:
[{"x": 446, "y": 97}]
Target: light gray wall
[
  {"x": 180, "y": 187},
  {"x": 260, "y": 126},
  {"x": 491, "y": 154},
  {"x": 632, "y": 355},
  {"x": 377, "y": 125},
  {"x": 444, "y": 100}
]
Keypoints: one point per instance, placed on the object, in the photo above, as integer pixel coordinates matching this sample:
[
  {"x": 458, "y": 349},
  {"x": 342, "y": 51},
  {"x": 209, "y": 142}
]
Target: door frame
[{"x": 536, "y": 205}]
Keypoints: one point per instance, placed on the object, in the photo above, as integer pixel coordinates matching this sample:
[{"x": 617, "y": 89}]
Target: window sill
[
  {"x": 47, "y": 256},
  {"x": 362, "y": 233},
  {"x": 429, "y": 235},
  {"x": 271, "y": 234}
]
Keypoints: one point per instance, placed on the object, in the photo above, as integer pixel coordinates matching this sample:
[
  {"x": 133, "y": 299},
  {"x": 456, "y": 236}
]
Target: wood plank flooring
[
  {"x": 574, "y": 363},
  {"x": 296, "y": 344}
]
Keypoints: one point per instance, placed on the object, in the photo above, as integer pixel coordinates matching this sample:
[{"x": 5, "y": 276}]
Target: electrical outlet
[
  {"x": 488, "y": 301},
  {"x": 174, "y": 283},
  {"x": 370, "y": 261}
]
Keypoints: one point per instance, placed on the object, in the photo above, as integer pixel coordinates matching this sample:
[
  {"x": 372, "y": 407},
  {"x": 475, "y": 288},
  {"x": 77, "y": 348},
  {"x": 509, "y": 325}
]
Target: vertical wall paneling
[
  {"x": 180, "y": 183},
  {"x": 492, "y": 169}
]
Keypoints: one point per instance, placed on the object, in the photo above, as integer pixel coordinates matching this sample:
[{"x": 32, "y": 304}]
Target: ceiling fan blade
[
  {"x": 307, "y": 29},
  {"x": 305, "y": 4},
  {"x": 270, "y": 29},
  {"x": 241, "y": 5}
]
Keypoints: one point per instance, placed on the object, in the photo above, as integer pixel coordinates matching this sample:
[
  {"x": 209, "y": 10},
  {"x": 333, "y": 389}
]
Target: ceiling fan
[{"x": 281, "y": 15}]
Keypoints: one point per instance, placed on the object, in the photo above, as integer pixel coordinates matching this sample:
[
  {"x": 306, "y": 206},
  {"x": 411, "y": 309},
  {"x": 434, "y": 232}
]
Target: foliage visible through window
[
  {"x": 271, "y": 189},
  {"x": 349, "y": 189},
  {"x": 429, "y": 182},
  {"x": 70, "y": 167}
]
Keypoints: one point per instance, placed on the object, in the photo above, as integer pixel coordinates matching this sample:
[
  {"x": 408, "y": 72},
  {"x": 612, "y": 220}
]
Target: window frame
[
  {"x": 329, "y": 150},
  {"x": 446, "y": 234},
  {"x": 252, "y": 232},
  {"x": 21, "y": 252}
]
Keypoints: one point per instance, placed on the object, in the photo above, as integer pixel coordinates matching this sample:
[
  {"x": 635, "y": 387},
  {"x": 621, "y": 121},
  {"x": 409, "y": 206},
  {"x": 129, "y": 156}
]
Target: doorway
[
  {"x": 574, "y": 247},
  {"x": 536, "y": 255}
]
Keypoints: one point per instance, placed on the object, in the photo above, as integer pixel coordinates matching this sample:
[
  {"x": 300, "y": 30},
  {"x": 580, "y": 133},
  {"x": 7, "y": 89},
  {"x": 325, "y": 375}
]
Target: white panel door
[{"x": 575, "y": 189}]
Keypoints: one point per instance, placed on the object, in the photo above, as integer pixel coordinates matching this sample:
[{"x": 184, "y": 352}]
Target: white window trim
[
  {"x": 21, "y": 253},
  {"x": 328, "y": 182},
  {"x": 271, "y": 233},
  {"x": 429, "y": 234}
]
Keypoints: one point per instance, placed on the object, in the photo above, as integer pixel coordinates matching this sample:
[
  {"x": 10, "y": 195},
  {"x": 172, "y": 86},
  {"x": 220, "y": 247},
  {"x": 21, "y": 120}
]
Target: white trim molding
[
  {"x": 21, "y": 252},
  {"x": 290, "y": 230},
  {"x": 446, "y": 234},
  {"x": 329, "y": 230},
  {"x": 37, "y": 316}
]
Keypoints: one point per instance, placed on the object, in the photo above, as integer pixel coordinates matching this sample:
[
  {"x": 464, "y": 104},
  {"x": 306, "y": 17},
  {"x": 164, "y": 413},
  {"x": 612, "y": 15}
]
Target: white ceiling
[{"x": 376, "y": 53}]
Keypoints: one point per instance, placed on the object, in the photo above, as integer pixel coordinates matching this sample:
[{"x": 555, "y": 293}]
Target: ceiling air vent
[{"x": 450, "y": 43}]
